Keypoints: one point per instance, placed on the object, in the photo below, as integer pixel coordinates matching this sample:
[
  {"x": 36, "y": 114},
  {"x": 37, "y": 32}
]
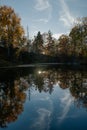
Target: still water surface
[{"x": 43, "y": 99}]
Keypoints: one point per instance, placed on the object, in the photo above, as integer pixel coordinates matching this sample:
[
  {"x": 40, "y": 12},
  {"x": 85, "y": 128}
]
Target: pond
[{"x": 43, "y": 98}]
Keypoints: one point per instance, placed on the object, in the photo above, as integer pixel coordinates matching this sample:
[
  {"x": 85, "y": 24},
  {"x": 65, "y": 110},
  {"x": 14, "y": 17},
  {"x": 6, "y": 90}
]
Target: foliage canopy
[{"x": 11, "y": 31}]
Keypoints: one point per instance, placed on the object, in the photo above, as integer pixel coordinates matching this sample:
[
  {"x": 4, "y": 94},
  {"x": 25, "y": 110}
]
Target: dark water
[{"x": 43, "y": 99}]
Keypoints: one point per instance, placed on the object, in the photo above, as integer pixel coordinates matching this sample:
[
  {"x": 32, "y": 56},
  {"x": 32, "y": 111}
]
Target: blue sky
[{"x": 43, "y": 15}]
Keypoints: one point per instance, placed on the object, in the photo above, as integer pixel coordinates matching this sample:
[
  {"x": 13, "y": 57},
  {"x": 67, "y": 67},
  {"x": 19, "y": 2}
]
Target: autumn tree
[
  {"x": 63, "y": 46},
  {"x": 11, "y": 31},
  {"x": 11, "y": 108},
  {"x": 78, "y": 35},
  {"x": 76, "y": 41}
]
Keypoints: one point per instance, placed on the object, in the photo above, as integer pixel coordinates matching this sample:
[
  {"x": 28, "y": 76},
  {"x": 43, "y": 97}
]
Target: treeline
[
  {"x": 17, "y": 48},
  {"x": 73, "y": 44},
  {"x": 68, "y": 48}
]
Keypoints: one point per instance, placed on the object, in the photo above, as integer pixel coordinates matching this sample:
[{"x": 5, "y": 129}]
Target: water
[{"x": 43, "y": 98}]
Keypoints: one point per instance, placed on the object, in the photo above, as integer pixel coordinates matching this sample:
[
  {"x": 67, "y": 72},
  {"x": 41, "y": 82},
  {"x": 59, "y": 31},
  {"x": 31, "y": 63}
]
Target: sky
[{"x": 58, "y": 16}]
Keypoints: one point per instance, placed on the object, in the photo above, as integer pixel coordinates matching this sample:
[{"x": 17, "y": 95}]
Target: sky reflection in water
[{"x": 44, "y": 100}]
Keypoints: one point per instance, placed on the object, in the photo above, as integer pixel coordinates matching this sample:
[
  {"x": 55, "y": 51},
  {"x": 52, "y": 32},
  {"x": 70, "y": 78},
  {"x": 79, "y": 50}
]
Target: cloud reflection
[
  {"x": 66, "y": 102},
  {"x": 43, "y": 120}
]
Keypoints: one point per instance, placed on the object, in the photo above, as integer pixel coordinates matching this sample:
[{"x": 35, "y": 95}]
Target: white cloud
[
  {"x": 42, "y": 5},
  {"x": 35, "y": 32},
  {"x": 44, "y": 20},
  {"x": 65, "y": 14},
  {"x": 57, "y": 35}
]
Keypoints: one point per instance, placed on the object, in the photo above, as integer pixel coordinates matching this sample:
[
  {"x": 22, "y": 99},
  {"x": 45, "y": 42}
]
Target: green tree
[
  {"x": 38, "y": 43},
  {"x": 50, "y": 46}
]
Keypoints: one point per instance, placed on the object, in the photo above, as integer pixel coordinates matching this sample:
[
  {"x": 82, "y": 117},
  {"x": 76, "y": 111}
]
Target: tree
[
  {"x": 50, "y": 44},
  {"x": 11, "y": 31},
  {"x": 63, "y": 44},
  {"x": 11, "y": 108},
  {"x": 38, "y": 43},
  {"x": 78, "y": 35},
  {"x": 76, "y": 41}
]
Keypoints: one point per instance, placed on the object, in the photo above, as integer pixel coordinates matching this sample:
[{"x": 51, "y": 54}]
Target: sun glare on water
[{"x": 39, "y": 72}]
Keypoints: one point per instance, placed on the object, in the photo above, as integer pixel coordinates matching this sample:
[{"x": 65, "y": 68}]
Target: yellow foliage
[{"x": 11, "y": 30}]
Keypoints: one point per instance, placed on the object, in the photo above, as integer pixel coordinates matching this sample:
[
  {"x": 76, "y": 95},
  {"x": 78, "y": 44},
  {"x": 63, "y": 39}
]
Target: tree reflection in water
[
  {"x": 12, "y": 92},
  {"x": 12, "y": 97}
]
